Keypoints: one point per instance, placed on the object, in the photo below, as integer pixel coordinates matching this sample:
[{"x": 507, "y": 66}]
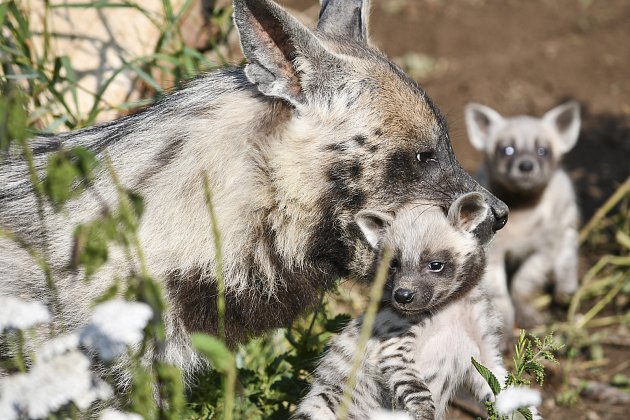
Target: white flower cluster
[
  {"x": 18, "y": 314},
  {"x": 514, "y": 397},
  {"x": 61, "y": 373},
  {"x": 114, "y": 326},
  {"x": 49, "y": 385}
]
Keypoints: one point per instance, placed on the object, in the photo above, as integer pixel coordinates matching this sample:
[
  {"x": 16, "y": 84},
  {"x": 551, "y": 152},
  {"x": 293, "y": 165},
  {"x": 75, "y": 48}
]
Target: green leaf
[
  {"x": 67, "y": 173},
  {"x": 71, "y": 77},
  {"x": 3, "y": 12},
  {"x": 525, "y": 412},
  {"x": 487, "y": 375},
  {"x": 109, "y": 294},
  {"x": 215, "y": 350},
  {"x": 137, "y": 203},
  {"x": 336, "y": 324},
  {"x": 90, "y": 244}
]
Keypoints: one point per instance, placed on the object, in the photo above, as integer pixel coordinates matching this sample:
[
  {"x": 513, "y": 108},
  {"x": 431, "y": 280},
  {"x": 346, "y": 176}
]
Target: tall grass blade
[{"x": 366, "y": 331}]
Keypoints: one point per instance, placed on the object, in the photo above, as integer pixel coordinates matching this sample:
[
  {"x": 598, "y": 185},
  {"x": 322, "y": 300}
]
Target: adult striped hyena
[
  {"x": 433, "y": 318},
  {"x": 522, "y": 166},
  {"x": 317, "y": 126}
]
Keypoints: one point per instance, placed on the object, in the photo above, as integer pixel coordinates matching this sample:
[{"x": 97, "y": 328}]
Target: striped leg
[{"x": 407, "y": 388}]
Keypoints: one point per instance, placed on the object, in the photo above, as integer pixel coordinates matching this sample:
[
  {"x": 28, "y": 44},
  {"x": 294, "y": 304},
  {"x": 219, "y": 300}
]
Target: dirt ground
[{"x": 526, "y": 56}]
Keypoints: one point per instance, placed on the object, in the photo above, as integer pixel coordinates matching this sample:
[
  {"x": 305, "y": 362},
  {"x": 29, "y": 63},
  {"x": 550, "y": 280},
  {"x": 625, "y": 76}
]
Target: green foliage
[
  {"x": 489, "y": 377},
  {"x": 215, "y": 351},
  {"x": 13, "y": 116},
  {"x": 68, "y": 172},
  {"x": 529, "y": 354}
]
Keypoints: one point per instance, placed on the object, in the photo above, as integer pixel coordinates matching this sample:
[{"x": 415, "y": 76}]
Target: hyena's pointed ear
[
  {"x": 468, "y": 211},
  {"x": 345, "y": 18},
  {"x": 275, "y": 44},
  {"x": 373, "y": 225},
  {"x": 565, "y": 121},
  {"x": 481, "y": 120}
]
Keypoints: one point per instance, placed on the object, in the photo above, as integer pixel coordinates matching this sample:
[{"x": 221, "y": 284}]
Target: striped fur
[
  {"x": 317, "y": 126},
  {"x": 419, "y": 354}
]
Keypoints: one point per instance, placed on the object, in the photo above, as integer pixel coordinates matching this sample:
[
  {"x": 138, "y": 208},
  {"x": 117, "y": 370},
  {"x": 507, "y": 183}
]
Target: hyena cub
[
  {"x": 433, "y": 318},
  {"x": 522, "y": 156}
]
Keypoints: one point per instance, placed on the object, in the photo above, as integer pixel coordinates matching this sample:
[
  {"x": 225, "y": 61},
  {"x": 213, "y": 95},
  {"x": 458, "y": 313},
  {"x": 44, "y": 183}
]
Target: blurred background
[{"x": 86, "y": 62}]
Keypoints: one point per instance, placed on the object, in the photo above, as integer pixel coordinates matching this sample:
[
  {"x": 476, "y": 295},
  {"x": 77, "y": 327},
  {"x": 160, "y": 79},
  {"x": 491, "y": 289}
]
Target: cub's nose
[
  {"x": 526, "y": 166},
  {"x": 403, "y": 296}
]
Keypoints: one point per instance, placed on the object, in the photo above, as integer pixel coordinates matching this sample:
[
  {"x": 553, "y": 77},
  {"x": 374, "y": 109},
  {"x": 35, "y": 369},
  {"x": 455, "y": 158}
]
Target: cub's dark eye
[
  {"x": 425, "y": 157},
  {"x": 508, "y": 151},
  {"x": 394, "y": 264},
  {"x": 435, "y": 266},
  {"x": 542, "y": 151}
]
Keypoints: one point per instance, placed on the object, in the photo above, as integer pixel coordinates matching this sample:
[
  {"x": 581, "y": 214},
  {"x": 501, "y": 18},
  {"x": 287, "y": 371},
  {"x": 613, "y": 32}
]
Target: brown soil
[{"x": 525, "y": 56}]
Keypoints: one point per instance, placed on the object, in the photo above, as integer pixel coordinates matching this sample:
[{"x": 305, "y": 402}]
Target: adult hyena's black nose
[
  {"x": 499, "y": 210},
  {"x": 500, "y": 219},
  {"x": 404, "y": 296}
]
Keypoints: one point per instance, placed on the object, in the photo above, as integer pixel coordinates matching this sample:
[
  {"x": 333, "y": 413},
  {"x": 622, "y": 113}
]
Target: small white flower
[
  {"x": 20, "y": 314},
  {"x": 50, "y": 385},
  {"x": 513, "y": 398},
  {"x": 390, "y": 415},
  {"x": 114, "y": 326},
  {"x": 111, "y": 414},
  {"x": 56, "y": 347}
]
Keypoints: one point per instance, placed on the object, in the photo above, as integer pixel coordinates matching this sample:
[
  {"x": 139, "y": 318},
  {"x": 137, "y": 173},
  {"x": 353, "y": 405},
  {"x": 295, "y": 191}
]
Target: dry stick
[
  {"x": 366, "y": 331},
  {"x": 586, "y": 284},
  {"x": 230, "y": 379},
  {"x": 604, "y": 209},
  {"x": 621, "y": 280}
]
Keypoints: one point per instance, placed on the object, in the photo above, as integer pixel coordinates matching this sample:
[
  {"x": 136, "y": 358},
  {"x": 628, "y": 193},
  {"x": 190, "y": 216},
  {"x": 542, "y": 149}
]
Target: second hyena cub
[
  {"x": 433, "y": 318},
  {"x": 521, "y": 167}
]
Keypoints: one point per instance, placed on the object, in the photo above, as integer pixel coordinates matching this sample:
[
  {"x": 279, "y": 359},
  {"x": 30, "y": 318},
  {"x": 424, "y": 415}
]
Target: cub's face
[
  {"x": 437, "y": 258},
  {"x": 522, "y": 153}
]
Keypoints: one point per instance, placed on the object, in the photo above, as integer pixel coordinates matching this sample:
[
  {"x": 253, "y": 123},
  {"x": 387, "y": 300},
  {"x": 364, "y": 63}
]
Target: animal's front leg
[
  {"x": 527, "y": 282},
  {"x": 408, "y": 389},
  {"x": 495, "y": 282},
  {"x": 565, "y": 267}
]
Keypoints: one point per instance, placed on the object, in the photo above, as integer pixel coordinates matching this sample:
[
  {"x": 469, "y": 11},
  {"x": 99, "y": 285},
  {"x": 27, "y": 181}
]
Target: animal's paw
[
  {"x": 563, "y": 297},
  {"x": 528, "y": 318}
]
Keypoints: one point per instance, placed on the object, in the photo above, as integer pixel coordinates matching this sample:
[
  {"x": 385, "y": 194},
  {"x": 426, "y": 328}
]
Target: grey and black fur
[
  {"x": 434, "y": 317},
  {"x": 318, "y": 126},
  {"x": 522, "y": 167}
]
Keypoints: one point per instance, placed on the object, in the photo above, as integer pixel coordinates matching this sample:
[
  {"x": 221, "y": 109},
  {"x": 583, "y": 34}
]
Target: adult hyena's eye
[
  {"x": 542, "y": 151},
  {"x": 425, "y": 157},
  {"x": 435, "y": 266}
]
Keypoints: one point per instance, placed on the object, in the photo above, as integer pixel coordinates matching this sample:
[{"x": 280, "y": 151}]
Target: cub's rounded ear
[
  {"x": 468, "y": 211},
  {"x": 373, "y": 225},
  {"x": 480, "y": 122},
  {"x": 565, "y": 121},
  {"x": 345, "y": 19}
]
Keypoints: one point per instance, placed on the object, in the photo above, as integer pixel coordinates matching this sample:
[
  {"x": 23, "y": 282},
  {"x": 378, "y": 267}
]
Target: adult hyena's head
[
  {"x": 361, "y": 134},
  {"x": 436, "y": 257}
]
